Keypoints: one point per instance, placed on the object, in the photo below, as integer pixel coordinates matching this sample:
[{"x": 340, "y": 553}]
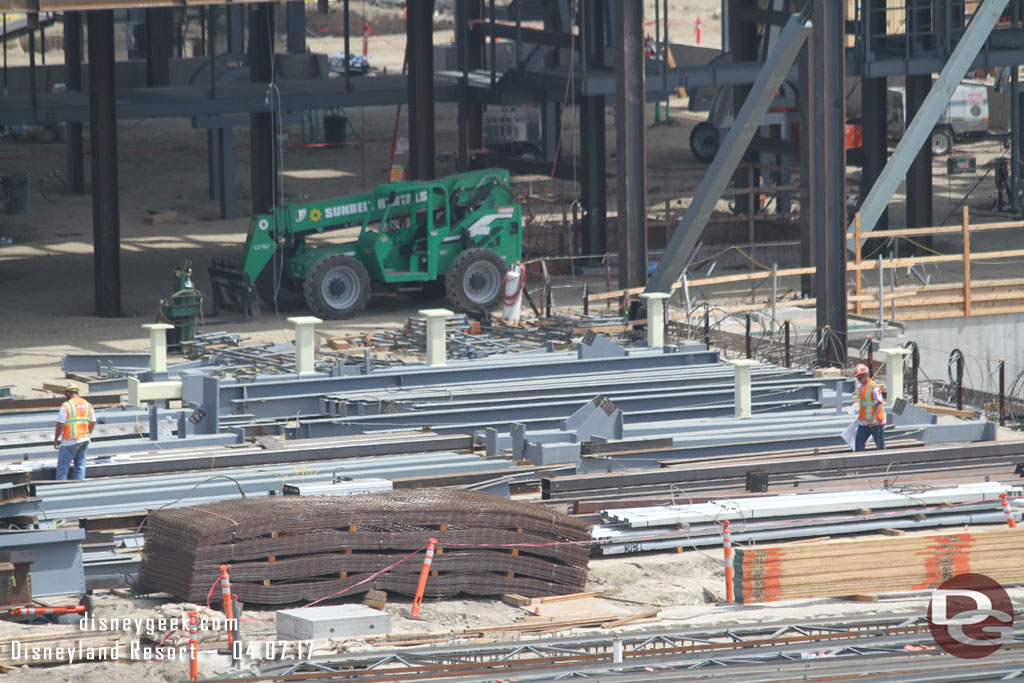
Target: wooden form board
[{"x": 868, "y": 567}]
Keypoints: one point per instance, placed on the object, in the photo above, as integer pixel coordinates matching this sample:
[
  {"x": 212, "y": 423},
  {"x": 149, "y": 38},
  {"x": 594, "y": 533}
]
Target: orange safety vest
[
  {"x": 79, "y": 416},
  {"x": 867, "y": 403}
]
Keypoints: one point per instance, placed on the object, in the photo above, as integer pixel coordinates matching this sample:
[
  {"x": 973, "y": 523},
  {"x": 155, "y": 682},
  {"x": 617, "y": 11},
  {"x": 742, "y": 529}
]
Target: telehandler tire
[
  {"x": 337, "y": 287},
  {"x": 474, "y": 280},
  {"x": 290, "y": 297}
]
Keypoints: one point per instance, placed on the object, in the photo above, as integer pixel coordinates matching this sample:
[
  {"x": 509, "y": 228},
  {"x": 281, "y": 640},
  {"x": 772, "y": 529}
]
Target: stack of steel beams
[
  {"x": 287, "y": 549},
  {"x": 773, "y": 518}
]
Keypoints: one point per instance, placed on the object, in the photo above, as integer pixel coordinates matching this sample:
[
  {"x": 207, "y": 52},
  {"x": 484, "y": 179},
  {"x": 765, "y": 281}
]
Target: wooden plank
[
  {"x": 574, "y": 596},
  {"x": 636, "y": 616},
  {"x": 516, "y": 600},
  {"x": 945, "y": 229},
  {"x": 946, "y": 410}
]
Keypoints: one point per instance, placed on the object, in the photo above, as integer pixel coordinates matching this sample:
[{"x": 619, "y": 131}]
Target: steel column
[
  {"x": 419, "y": 28},
  {"x": 1015, "y": 126},
  {"x": 236, "y": 29},
  {"x": 919, "y": 130},
  {"x": 806, "y": 179},
  {"x": 263, "y": 177},
  {"x": 744, "y": 35},
  {"x": 73, "y": 76},
  {"x": 631, "y": 153},
  {"x": 106, "y": 220},
  {"x": 226, "y": 172},
  {"x": 776, "y": 67},
  {"x": 828, "y": 170},
  {"x": 874, "y": 113},
  {"x": 919, "y": 175},
  {"x": 470, "y": 52},
  {"x": 592, "y": 134},
  {"x": 295, "y": 18},
  {"x": 158, "y": 45}
]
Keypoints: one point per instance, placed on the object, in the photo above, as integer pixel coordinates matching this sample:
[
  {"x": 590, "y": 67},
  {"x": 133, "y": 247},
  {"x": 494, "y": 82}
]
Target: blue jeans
[
  {"x": 877, "y": 433},
  {"x": 67, "y": 453}
]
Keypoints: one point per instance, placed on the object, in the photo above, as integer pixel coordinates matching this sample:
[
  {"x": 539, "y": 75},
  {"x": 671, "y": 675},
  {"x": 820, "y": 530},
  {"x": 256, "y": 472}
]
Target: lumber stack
[
  {"x": 868, "y": 567},
  {"x": 292, "y": 548}
]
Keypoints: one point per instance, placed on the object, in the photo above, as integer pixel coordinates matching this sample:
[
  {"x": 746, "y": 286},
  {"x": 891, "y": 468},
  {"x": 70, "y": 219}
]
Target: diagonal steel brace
[
  {"x": 780, "y": 58},
  {"x": 919, "y": 130}
]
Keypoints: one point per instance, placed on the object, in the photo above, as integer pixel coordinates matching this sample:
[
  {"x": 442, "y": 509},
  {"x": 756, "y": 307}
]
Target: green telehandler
[{"x": 454, "y": 236}]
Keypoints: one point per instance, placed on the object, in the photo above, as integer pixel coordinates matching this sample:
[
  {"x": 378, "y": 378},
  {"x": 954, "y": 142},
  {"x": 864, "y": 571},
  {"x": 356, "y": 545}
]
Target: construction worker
[
  {"x": 871, "y": 418},
  {"x": 71, "y": 438}
]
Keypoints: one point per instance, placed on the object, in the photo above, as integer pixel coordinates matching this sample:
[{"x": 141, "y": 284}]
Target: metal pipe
[
  {"x": 5, "y": 53},
  {"x": 1002, "y": 392},
  {"x": 881, "y": 299},
  {"x": 707, "y": 326},
  {"x": 959, "y": 379},
  {"x": 788, "y": 359},
  {"x": 348, "y": 51},
  {"x": 748, "y": 336},
  {"x": 586, "y": 299},
  {"x": 494, "y": 53},
  {"x": 871, "y": 358},
  {"x": 775, "y": 293}
]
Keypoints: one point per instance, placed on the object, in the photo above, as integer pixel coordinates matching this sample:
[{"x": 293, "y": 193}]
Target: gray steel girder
[{"x": 920, "y": 128}]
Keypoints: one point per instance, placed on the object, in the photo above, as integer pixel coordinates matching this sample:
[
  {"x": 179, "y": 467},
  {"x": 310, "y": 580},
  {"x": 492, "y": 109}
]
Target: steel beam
[
  {"x": 919, "y": 175},
  {"x": 236, "y": 28},
  {"x": 792, "y": 465},
  {"x": 776, "y": 67},
  {"x": 73, "y": 77},
  {"x": 828, "y": 174},
  {"x": 919, "y": 129},
  {"x": 592, "y": 134},
  {"x": 57, "y": 568},
  {"x": 630, "y": 144},
  {"x": 874, "y": 112},
  {"x": 262, "y": 140},
  {"x": 419, "y": 28},
  {"x": 295, "y": 18},
  {"x": 158, "y": 45},
  {"x": 470, "y": 54},
  {"x": 106, "y": 219}
]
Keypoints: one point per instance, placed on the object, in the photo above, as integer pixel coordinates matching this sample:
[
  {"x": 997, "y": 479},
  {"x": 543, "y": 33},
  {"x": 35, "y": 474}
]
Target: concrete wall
[{"x": 983, "y": 339}]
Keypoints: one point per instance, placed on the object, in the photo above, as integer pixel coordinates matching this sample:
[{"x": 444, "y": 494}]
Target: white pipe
[{"x": 938, "y": 520}]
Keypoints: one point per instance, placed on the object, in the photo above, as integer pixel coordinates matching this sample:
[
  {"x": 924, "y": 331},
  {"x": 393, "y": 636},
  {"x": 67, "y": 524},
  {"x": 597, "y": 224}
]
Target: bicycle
[{"x": 53, "y": 185}]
